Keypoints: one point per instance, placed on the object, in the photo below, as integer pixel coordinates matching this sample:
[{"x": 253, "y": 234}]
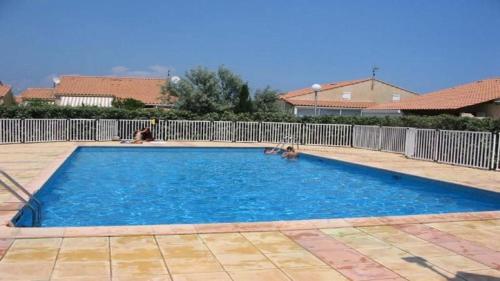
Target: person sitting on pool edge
[
  {"x": 147, "y": 135},
  {"x": 137, "y": 137},
  {"x": 290, "y": 153}
]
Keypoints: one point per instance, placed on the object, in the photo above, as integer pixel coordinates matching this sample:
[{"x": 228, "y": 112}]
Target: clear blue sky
[{"x": 420, "y": 45}]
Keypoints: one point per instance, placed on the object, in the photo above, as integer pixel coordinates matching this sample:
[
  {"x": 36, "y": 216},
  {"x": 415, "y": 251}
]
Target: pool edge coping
[
  {"x": 178, "y": 229},
  {"x": 8, "y": 231}
]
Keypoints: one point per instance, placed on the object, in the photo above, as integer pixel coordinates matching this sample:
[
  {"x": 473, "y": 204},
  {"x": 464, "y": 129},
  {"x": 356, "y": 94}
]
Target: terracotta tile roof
[
  {"x": 146, "y": 90},
  {"x": 452, "y": 98},
  {"x": 326, "y": 86},
  {"x": 4, "y": 89},
  {"x": 336, "y": 104},
  {"x": 38, "y": 94}
]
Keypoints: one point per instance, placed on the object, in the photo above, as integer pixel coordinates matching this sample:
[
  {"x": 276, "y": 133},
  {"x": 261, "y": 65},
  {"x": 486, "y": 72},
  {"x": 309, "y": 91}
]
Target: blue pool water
[{"x": 135, "y": 186}]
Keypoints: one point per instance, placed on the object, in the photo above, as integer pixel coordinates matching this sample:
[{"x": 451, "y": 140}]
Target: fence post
[
  {"x": 410, "y": 138},
  {"x": 68, "y": 128},
  {"x": 23, "y": 129},
  {"x": 259, "y": 138},
  {"x": 437, "y": 137},
  {"x": 351, "y": 128},
  {"x": 379, "y": 138},
  {"x": 96, "y": 129},
  {"x": 493, "y": 152}
]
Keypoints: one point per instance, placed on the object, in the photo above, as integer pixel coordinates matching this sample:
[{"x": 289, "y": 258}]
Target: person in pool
[
  {"x": 290, "y": 153},
  {"x": 269, "y": 150}
]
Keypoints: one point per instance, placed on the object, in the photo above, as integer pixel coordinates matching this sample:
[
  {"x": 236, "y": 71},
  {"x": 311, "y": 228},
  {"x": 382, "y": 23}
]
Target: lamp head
[{"x": 316, "y": 87}]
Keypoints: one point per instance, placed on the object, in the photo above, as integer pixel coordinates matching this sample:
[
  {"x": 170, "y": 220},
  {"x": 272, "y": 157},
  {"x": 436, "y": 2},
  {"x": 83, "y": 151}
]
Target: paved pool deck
[{"x": 464, "y": 246}]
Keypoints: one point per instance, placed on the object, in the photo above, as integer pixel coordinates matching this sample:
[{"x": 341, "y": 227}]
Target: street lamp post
[{"x": 316, "y": 88}]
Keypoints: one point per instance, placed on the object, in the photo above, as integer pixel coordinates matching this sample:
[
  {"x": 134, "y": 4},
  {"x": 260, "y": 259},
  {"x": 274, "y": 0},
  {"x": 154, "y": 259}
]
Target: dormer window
[
  {"x": 346, "y": 96},
  {"x": 396, "y": 97}
]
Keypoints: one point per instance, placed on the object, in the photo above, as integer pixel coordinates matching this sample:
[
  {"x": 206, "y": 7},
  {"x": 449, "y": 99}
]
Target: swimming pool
[{"x": 99, "y": 186}]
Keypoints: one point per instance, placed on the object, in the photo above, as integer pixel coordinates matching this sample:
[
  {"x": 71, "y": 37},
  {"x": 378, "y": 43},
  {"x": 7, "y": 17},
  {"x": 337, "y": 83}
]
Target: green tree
[
  {"x": 244, "y": 101},
  {"x": 230, "y": 85},
  {"x": 204, "y": 91},
  {"x": 266, "y": 100},
  {"x": 128, "y": 103}
]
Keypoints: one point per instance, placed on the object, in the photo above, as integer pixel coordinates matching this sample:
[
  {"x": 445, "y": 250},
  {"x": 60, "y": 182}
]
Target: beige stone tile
[
  {"x": 196, "y": 249},
  {"x": 386, "y": 255},
  {"x": 272, "y": 242},
  {"x": 211, "y": 276},
  {"x": 193, "y": 265},
  {"x": 25, "y": 271},
  {"x": 229, "y": 243},
  {"x": 323, "y": 273},
  {"x": 85, "y": 243},
  {"x": 81, "y": 269},
  {"x": 31, "y": 255},
  {"x": 36, "y": 243},
  {"x": 238, "y": 262},
  {"x": 427, "y": 250},
  {"x": 480, "y": 275},
  {"x": 364, "y": 241},
  {"x": 456, "y": 263},
  {"x": 131, "y": 254},
  {"x": 341, "y": 231},
  {"x": 142, "y": 277},
  {"x": 130, "y": 268},
  {"x": 82, "y": 278},
  {"x": 265, "y": 274},
  {"x": 178, "y": 239},
  {"x": 133, "y": 242},
  {"x": 400, "y": 239},
  {"x": 295, "y": 259},
  {"x": 73, "y": 255}
]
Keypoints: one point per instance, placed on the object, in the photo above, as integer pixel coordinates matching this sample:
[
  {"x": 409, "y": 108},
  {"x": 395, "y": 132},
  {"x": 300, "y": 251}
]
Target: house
[
  {"x": 344, "y": 97},
  {"x": 480, "y": 99},
  {"x": 45, "y": 95},
  {"x": 6, "y": 95},
  {"x": 101, "y": 91}
]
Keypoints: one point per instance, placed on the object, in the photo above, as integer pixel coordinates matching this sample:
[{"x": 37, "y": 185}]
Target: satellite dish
[
  {"x": 175, "y": 79},
  {"x": 56, "y": 80}
]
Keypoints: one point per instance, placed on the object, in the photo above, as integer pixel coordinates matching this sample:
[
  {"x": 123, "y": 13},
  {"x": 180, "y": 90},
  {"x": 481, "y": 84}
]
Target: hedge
[{"x": 444, "y": 122}]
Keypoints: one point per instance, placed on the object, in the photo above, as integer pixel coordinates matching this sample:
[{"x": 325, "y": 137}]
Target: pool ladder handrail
[{"x": 36, "y": 218}]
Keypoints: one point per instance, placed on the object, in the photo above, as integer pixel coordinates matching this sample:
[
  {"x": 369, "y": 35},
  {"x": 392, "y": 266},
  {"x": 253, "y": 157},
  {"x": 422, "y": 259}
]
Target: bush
[
  {"x": 128, "y": 103},
  {"x": 444, "y": 122}
]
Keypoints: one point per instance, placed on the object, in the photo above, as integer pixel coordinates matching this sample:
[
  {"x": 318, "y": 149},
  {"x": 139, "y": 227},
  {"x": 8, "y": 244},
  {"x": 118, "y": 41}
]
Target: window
[
  {"x": 346, "y": 96},
  {"x": 396, "y": 97}
]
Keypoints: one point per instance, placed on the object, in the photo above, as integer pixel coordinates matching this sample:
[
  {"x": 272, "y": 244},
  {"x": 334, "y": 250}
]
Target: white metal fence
[
  {"x": 275, "y": 132},
  {"x": 464, "y": 148},
  {"x": 247, "y": 131},
  {"x": 366, "y": 137},
  {"x": 82, "y": 130},
  {"x": 392, "y": 139},
  {"x": 189, "y": 130},
  {"x": 107, "y": 129},
  {"x": 471, "y": 149},
  {"x": 327, "y": 134},
  {"x": 223, "y": 131},
  {"x": 11, "y": 130},
  {"x": 45, "y": 130}
]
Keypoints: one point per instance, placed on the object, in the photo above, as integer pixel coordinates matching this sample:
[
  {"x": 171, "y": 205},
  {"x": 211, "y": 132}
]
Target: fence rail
[{"x": 464, "y": 148}]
